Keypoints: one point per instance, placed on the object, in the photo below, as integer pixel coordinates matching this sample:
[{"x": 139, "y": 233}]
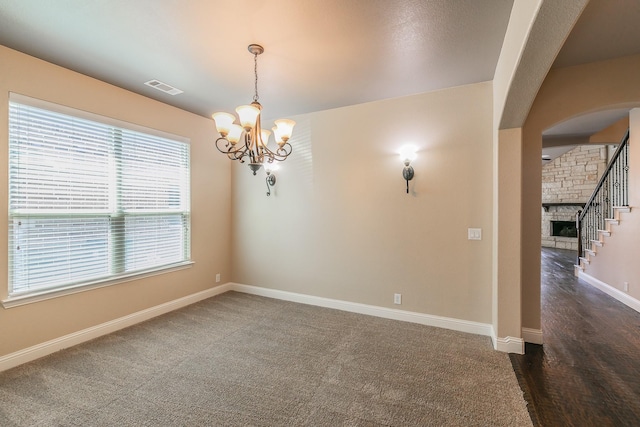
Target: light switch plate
[{"x": 475, "y": 233}]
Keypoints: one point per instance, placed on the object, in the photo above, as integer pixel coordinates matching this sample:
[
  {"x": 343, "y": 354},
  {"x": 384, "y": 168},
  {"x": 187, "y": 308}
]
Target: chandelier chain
[{"x": 255, "y": 72}]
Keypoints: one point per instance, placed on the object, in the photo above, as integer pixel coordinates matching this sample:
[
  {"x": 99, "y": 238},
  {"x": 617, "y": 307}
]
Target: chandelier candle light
[{"x": 248, "y": 141}]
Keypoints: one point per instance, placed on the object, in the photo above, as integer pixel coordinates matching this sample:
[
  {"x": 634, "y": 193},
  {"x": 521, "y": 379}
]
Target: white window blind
[{"x": 91, "y": 201}]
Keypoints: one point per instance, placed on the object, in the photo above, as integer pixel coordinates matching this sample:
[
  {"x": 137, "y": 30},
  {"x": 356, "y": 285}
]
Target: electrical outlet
[
  {"x": 397, "y": 298},
  {"x": 474, "y": 233},
  {"x": 626, "y": 286},
  {"x": 218, "y": 278}
]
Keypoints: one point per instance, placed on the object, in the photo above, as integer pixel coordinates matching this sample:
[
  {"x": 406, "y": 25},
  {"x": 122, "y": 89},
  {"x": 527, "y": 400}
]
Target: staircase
[
  {"x": 592, "y": 246},
  {"x": 602, "y": 212}
]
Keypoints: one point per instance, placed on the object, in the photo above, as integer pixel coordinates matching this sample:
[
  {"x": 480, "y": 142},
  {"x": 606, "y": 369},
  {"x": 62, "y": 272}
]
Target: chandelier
[{"x": 248, "y": 141}]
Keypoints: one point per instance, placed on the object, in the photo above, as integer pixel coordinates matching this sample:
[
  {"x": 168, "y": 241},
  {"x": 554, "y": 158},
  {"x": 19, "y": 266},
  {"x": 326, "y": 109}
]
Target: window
[{"x": 91, "y": 199}]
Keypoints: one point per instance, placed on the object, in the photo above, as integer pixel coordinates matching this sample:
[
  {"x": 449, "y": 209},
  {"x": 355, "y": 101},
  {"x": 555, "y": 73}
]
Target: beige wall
[
  {"x": 612, "y": 134},
  {"x": 507, "y": 258},
  {"x": 340, "y": 224},
  {"x": 24, "y": 326},
  {"x": 566, "y": 93},
  {"x": 616, "y": 261}
]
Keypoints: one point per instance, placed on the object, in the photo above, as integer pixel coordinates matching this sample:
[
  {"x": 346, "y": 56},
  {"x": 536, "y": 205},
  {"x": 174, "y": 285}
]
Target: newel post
[{"x": 579, "y": 229}]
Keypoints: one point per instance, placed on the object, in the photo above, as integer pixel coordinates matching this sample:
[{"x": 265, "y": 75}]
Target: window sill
[{"x": 18, "y": 300}]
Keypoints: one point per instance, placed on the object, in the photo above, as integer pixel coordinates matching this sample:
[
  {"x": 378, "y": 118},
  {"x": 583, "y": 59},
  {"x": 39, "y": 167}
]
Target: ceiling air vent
[{"x": 163, "y": 87}]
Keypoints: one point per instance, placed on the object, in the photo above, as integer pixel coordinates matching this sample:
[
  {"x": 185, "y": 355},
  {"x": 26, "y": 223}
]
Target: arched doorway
[{"x": 566, "y": 93}]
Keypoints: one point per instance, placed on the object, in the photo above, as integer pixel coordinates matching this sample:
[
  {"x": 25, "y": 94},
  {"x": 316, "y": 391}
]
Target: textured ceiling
[
  {"x": 606, "y": 29},
  {"x": 319, "y": 54}
]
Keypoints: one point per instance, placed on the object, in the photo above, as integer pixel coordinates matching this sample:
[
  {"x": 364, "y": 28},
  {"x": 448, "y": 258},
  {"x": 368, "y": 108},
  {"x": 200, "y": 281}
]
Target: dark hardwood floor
[{"x": 587, "y": 373}]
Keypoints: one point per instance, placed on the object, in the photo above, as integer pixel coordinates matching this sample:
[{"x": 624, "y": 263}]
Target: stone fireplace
[
  {"x": 563, "y": 229},
  {"x": 559, "y": 227},
  {"x": 567, "y": 184}
]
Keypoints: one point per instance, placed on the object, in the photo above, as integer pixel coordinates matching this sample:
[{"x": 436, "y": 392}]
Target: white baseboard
[
  {"x": 371, "y": 310},
  {"x": 40, "y": 350},
  {"x": 533, "y": 336},
  {"x": 624, "y": 298},
  {"x": 508, "y": 344}
]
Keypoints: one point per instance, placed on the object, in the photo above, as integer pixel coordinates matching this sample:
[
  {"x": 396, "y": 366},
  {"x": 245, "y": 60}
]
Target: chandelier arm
[
  {"x": 230, "y": 150},
  {"x": 277, "y": 158},
  {"x": 271, "y": 156},
  {"x": 281, "y": 153},
  {"x": 256, "y": 153},
  {"x": 227, "y": 145},
  {"x": 238, "y": 155},
  {"x": 267, "y": 157},
  {"x": 285, "y": 150},
  {"x": 245, "y": 151},
  {"x": 255, "y": 156}
]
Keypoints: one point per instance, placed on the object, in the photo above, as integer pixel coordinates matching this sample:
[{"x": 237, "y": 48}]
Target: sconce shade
[
  {"x": 264, "y": 136},
  {"x": 270, "y": 167},
  {"x": 248, "y": 115},
  {"x": 408, "y": 153},
  {"x": 276, "y": 135},
  {"x": 224, "y": 121},
  {"x": 285, "y": 129},
  {"x": 235, "y": 132}
]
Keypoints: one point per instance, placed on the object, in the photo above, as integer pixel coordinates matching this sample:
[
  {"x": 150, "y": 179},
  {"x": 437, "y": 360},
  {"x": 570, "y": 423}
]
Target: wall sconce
[
  {"x": 408, "y": 154},
  {"x": 271, "y": 178}
]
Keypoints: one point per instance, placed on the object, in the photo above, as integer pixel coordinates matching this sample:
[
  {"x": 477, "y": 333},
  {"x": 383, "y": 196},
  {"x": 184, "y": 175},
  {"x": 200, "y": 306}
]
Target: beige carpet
[{"x": 243, "y": 360}]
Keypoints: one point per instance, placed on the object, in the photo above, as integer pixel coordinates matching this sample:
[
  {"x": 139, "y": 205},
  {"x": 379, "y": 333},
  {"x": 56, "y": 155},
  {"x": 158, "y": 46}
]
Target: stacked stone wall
[{"x": 570, "y": 178}]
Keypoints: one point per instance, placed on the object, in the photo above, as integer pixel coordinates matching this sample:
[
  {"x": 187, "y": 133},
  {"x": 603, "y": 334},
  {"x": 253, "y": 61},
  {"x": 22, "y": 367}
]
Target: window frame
[{"x": 19, "y": 298}]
